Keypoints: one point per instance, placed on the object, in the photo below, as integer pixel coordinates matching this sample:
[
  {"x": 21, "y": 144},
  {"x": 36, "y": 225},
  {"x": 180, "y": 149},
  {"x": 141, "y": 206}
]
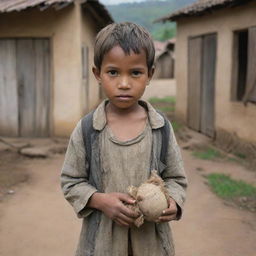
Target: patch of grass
[
  {"x": 207, "y": 154},
  {"x": 167, "y": 99},
  {"x": 233, "y": 159},
  {"x": 166, "y": 105},
  {"x": 240, "y": 155},
  {"x": 228, "y": 188},
  {"x": 166, "y": 109},
  {"x": 238, "y": 158},
  {"x": 176, "y": 126}
]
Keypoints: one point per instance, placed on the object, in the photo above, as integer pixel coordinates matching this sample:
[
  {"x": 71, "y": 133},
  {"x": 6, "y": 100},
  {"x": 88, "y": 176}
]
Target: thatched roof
[{"x": 201, "y": 7}]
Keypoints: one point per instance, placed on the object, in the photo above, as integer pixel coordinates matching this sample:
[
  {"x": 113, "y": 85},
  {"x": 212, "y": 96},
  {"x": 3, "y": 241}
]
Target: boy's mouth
[{"x": 124, "y": 97}]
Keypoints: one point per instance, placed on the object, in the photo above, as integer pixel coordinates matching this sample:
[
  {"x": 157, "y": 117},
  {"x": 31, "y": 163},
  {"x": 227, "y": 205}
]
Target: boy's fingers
[
  {"x": 172, "y": 203},
  {"x": 167, "y": 218},
  {"x": 129, "y": 213},
  {"x": 169, "y": 211},
  {"x": 126, "y": 219},
  {"x": 126, "y": 198}
]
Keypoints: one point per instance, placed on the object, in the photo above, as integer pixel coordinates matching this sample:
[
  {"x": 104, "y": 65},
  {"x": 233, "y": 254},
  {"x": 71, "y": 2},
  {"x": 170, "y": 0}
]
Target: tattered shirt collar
[{"x": 99, "y": 117}]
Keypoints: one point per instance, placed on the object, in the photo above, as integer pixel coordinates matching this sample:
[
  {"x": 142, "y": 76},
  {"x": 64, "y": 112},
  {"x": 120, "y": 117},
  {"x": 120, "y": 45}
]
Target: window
[{"x": 244, "y": 66}]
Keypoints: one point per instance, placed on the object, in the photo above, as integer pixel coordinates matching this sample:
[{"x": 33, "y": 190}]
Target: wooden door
[
  {"x": 208, "y": 85},
  {"x": 8, "y": 89},
  {"x": 24, "y": 87},
  {"x": 201, "y": 83},
  {"x": 194, "y": 82},
  {"x": 42, "y": 87}
]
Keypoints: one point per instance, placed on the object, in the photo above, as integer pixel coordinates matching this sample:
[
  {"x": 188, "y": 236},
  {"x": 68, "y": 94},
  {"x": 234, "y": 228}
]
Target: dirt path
[
  {"x": 209, "y": 227},
  {"x": 37, "y": 221}
]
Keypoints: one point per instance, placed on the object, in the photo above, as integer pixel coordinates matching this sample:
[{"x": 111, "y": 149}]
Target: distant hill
[{"x": 144, "y": 13}]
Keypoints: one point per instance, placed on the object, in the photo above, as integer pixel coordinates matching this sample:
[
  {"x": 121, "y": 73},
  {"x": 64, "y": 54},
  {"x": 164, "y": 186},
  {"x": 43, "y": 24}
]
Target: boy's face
[{"x": 123, "y": 77}]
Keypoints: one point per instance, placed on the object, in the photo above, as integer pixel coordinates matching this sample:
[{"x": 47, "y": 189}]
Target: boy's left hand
[{"x": 169, "y": 213}]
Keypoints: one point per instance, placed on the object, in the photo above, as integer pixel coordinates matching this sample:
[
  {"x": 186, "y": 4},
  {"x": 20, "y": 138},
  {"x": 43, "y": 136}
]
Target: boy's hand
[
  {"x": 169, "y": 213},
  {"x": 112, "y": 205}
]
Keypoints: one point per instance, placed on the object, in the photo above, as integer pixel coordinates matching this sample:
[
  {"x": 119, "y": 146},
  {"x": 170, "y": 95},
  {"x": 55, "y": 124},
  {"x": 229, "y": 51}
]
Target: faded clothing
[{"x": 123, "y": 164}]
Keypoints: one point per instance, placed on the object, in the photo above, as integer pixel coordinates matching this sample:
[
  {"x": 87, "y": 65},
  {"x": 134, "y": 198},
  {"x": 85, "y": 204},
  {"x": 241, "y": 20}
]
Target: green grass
[
  {"x": 166, "y": 108},
  {"x": 240, "y": 155},
  {"x": 176, "y": 126},
  {"x": 168, "y": 99},
  {"x": 238, "y": 158},
  {"x": 228, "y": 188},
  {"x": 207, "y": 154},
  {"x": 233, "y": 159}
]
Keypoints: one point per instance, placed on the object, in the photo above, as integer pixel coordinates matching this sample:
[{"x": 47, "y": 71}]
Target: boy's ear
[
  {"x": 96, "y": 73},
  {"x": 151, "y": 73}
]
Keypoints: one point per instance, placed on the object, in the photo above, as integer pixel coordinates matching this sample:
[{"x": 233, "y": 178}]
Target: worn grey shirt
[{"x": 123, "y": 164}]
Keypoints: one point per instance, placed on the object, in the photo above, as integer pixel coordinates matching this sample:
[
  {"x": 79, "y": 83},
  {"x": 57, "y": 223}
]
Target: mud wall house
[
  {"x": 216, "y": 68},
  {"x": 164, "y": 60},
  {"x": 46, "y": 83}
]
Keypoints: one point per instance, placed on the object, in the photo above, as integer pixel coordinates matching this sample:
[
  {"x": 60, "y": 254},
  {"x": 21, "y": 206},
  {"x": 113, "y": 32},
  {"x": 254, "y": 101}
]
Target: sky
[{"x": 108, "y": 2}]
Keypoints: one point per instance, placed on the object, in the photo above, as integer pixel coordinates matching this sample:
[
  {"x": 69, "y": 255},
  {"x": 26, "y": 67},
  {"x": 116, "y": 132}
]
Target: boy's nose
[{"x": 124, "y": 83}]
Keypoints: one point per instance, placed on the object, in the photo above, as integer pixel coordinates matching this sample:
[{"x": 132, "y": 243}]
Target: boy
[{"x": 124, "y": 152}]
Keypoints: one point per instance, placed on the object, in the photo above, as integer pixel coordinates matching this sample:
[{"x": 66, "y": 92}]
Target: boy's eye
[
  {"x": 112, "y": 72},
  {"x": 136, "y": 73}
]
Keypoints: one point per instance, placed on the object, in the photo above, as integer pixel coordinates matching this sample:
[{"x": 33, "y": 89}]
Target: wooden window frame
[{"x": 243, "y": 88}]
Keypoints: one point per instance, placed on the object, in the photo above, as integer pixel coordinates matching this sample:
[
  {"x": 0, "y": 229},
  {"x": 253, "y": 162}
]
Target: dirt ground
[{"x": 36, "y": 220}]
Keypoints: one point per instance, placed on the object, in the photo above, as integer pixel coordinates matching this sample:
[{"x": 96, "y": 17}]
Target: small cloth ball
[{"x": 151, "y": 199}]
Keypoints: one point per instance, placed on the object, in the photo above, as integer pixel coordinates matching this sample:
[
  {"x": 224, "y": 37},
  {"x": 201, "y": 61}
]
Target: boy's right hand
[{"x": 112, "y": 205}]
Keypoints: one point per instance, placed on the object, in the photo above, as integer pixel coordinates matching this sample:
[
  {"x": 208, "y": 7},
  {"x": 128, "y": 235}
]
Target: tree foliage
[{"x": 144, "y": 13}]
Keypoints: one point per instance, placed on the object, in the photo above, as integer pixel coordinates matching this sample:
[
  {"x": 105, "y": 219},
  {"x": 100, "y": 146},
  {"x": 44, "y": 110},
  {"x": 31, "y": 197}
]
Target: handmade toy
[{"x": 151, "y": 199}]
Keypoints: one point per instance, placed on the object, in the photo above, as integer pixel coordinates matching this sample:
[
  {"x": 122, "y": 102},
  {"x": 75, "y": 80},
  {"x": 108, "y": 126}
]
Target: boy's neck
[
  {"x": 112, "y": 109},
  {"x": 126, "y": 124}
]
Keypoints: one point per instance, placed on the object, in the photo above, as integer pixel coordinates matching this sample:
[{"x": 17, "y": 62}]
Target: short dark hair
[{"x": 127, "y": 35}]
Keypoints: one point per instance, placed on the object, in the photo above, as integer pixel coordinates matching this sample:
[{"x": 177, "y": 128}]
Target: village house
[
  {"x": 46, "y": 55},
  {"x": 164, "y": 60},
  {"x": 215, "y": 70}
]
